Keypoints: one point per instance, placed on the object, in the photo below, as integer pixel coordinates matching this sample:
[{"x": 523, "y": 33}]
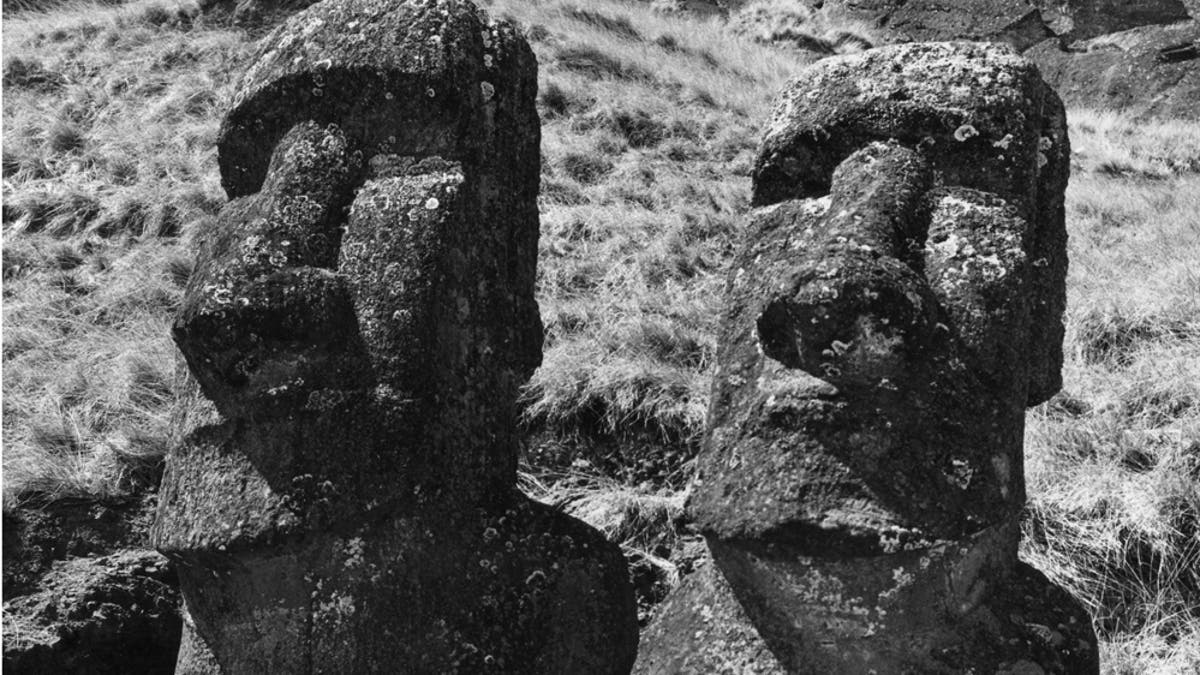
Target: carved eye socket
[
  {"x": 808, "y": 337},
  {"x": 853, "y": 333},
  {"x": 778, "y": 336}
]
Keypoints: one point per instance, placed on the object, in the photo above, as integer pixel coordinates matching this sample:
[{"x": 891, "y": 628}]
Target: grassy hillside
[{"x": 649, "y": 123}]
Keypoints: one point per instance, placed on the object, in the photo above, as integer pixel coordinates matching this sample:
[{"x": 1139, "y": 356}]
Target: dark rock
[
  {"x": 1021, "y": 23},
  {"x": 636, "y": 456},
  {"x": 1017, "y": 22},
  {"x": 1149, "y": 72},
  {"x": 895, "y": 307},
  {"x": 252, "y": 12},
  {"x": 37, "y": 535},
  {"x": 701, "y": 8},
  {"x": 362, "y": 317},
  {"x": 706, "y": 608},
  {"x": 114, "y": 614},
  {"x": 1085, "y": 19}
]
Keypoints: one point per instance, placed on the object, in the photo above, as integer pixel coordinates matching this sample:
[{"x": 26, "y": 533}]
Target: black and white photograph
[{"x": 600, "y": 337}]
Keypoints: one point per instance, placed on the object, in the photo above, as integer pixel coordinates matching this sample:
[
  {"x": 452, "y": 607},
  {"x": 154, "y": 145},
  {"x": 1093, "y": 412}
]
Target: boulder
[
  {"x": 114, "y": 614},
  {"x": 1085, "y": 19},
  {"x": 701, "y": 8},
  {"x": 1153, "y": 71},
  {"x": 1022, "y": 23},
  {"x": 252, "y": 12},
  {"x": 37, "y": 535},
  {"x": 896, "y": 305}
]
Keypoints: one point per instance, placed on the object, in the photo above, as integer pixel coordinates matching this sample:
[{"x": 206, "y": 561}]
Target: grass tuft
[
  {"x": 585, "y": 167},
  {"x": 617, "y": 25},
  {"x": 598, "y": 63},
  {"x": 793, "y": 24}
]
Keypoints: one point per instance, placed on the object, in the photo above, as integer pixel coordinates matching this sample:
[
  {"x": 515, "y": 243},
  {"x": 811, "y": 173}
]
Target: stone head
[{"x": 897, "y": 307}]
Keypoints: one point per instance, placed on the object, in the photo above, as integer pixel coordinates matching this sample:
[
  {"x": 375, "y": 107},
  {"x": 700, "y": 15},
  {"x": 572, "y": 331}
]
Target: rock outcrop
[
  {"x": 1153, "y": 71},
  {"x": 1086, "y": 19},
  {"x": 362, "y": 319},
  {"x": 897, "y": 304},
  {"x": 1138, "y": 57},
  {"x": 113, "y": 614},
  {"x": 1022, "y": 23},
  {"x": 37, "y": 536},
  {"x": 249, "y": 12},
  {"x": 81, "y": 592}
]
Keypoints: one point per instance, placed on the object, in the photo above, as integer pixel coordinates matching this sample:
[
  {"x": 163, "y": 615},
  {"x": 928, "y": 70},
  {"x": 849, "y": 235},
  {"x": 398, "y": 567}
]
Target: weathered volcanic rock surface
[
  {"x": 114, "y": 614},
  {"x": 363, "y": 316},
  {"x": 249, "y": 12},
  {"x": 1019, "y": 22},
  {"x": 896, "y": 305},
  {"x": 35, "y": 537},
  {"x": 1152, "y": 71},
  {"x": 1141, "y": 57},
  {"x": 80, "y": 590},
  {"x": 1084, "y": 19}
]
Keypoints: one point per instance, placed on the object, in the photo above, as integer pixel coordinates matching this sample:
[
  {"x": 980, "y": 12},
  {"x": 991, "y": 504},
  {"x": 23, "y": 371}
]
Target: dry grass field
[{"x": 650, "y": 123}]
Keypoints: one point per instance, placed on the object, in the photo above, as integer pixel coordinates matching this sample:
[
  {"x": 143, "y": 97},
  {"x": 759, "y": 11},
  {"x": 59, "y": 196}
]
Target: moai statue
[
  {"x": 362, "y": 317},
  {"x": 896, "y": 307}
]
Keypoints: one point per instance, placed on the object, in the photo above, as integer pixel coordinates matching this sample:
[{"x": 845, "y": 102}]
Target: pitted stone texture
[
  {"x": 861, "y": 480},
  {"x": 702, "y": 628},
  {"x": 851, "y": 408},
  {"x": 1085, "y": 19},
  {"x": 768, "y": 610},
  {"x": 511, "y": 588},
  {"x": 363, "y": 316},
  {"x": 1149, "y": 72},
  {"x": 982, "y": 117},
  {"x": 265, "y": 320},
  {"x": 118, "y": 613},
  {"x": 400, "y": 77},
  {"x": 1015, "y": 21},
  {"x": 1021, "y": 23}
]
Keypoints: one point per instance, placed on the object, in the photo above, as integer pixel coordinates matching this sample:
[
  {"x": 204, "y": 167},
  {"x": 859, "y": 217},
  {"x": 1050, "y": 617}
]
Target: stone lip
[{"x": 347, "y": 460}]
